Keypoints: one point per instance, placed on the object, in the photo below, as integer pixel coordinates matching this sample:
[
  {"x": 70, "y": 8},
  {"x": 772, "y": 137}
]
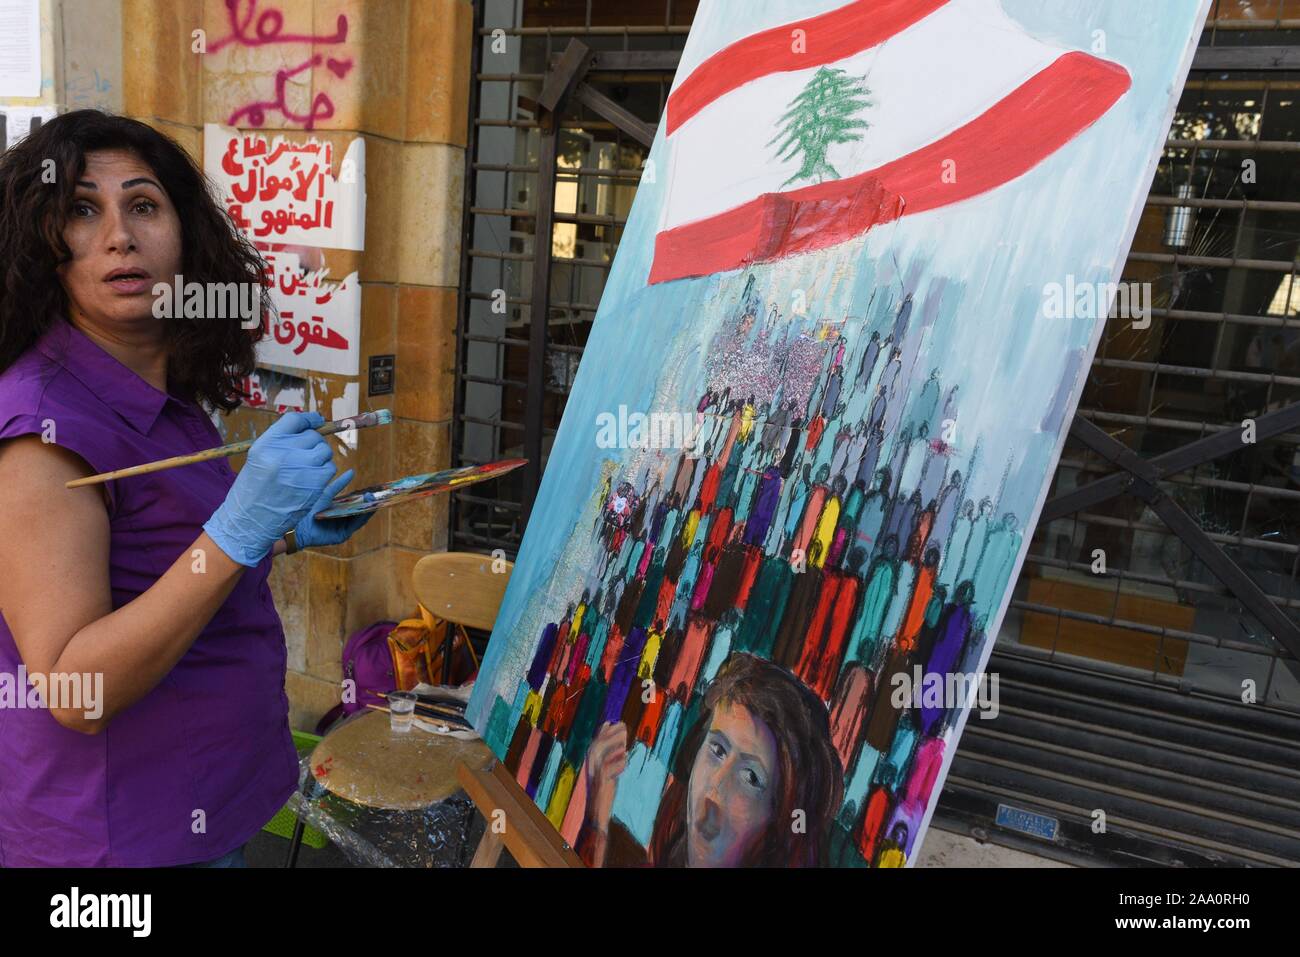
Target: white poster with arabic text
[
  {"x": 317, "y": 324},
  {"x": 289, "y": 201},
  {"x": 280, "y": 191}
]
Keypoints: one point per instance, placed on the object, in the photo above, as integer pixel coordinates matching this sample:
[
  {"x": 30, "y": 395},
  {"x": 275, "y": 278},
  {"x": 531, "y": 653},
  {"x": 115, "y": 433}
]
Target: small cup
[{"x": 401, "y": 710}]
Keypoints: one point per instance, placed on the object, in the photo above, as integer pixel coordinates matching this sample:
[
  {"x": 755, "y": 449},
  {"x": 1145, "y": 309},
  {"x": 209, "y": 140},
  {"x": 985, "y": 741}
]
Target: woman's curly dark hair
[{"x": 207, "y": 358}]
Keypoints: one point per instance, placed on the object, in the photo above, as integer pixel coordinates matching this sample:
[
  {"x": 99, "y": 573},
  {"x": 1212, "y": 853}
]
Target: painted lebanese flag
[{"x": 778, "y": 150}]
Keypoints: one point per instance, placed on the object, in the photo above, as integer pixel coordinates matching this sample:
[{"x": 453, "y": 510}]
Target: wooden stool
[{"x": 365, "y": 761}]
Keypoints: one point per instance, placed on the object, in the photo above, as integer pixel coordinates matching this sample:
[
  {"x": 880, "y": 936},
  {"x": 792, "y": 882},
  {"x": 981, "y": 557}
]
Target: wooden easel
[{"x": 528, "y": 835}]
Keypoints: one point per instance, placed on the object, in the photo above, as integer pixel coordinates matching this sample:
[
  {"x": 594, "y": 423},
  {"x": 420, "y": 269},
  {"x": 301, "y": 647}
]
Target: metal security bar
[
  {"x": 1234, "y": 231},
  {"x": 1126, "y": 681},
  {"x": 1218, "y": 247},
  {"x": 1135, "y": 682}
]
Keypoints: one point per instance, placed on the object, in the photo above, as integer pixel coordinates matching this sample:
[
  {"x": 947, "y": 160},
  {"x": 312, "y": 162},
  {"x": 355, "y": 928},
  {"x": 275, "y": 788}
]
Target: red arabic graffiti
[
  {"x": 267, "y": 30},
  {"x": 261, "y": 186},
  {"x": 268, "y": 27},
  {"x": 322, "y": 107},
  {"x": 310, "y": 333}
]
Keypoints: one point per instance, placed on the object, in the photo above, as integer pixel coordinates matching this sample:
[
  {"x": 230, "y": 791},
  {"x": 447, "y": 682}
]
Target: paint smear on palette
[{"x": 412, "y": 487}]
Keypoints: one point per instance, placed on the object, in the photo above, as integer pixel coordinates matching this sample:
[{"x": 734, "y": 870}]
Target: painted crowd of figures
[{"x": 723, "y": 689}]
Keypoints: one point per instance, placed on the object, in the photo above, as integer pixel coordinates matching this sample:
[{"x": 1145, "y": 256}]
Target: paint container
[{"x": 401, "y": 710}]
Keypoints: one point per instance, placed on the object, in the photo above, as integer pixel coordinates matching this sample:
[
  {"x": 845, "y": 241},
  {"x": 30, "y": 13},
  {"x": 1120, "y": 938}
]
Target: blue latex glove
[
  {"x": 287, "y": 468},
  {"x": 313, "y": 531}
]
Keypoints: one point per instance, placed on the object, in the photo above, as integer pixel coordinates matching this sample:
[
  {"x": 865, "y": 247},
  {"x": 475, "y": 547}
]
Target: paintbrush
[
  {"x": 363, "y": 421},
  {"x": 435, "y": 718},
  {"x": 424, "y": 702}
]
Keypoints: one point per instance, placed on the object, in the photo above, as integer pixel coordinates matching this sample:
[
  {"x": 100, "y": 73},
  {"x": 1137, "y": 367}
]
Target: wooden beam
[
  {"x": 567, "y": 73},
  {"x": 1180, "y": 459},
  {"x": 629, "y": 61}
]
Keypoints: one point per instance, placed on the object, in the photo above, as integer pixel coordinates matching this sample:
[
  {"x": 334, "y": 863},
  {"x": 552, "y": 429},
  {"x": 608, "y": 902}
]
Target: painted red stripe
[
  {"x": 829, "y": 37},
  {"x": 1001, "y": 144}
]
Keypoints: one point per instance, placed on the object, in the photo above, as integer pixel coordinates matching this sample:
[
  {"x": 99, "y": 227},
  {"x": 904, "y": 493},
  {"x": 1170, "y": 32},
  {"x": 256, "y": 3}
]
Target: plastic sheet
[{"x": 440, "y": 833}]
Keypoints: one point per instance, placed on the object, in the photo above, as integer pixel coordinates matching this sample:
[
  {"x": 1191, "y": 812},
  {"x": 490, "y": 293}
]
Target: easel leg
[
  {"x": 489, "y": 850},
  {"x": 513, "y": 821}
]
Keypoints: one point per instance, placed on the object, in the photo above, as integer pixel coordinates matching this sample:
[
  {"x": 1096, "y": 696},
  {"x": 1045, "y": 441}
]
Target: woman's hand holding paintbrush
[
  {"x": 288, "y": 479},
  {"x": 363, "y": 421},
  {"x": 329, "y": 520}
]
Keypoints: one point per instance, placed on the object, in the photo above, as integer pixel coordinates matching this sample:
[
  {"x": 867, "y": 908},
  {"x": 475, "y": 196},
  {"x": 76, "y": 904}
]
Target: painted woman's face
[
  {"x": 124, "y": 236},
  {"x": 731, "y": 794}
]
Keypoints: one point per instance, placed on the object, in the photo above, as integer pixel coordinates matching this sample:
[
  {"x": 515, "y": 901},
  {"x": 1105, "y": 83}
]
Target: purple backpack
[{"x": 367, "y": 662}]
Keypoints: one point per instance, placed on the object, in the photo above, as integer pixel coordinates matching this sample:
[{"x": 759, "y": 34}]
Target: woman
[
  {"x": 142, "y": 601},
  {"x": 757, "y": 781}
]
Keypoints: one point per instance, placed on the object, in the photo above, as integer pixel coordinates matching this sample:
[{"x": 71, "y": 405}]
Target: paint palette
[{"x": 415, "y": 486}]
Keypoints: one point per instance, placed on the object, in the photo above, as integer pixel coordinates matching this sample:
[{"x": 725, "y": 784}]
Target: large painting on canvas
[{"x": 816, "y": 418}]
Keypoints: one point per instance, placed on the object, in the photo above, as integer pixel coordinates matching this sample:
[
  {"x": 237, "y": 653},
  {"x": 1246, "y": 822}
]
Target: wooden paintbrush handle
[{"x": 363, "y": 421}]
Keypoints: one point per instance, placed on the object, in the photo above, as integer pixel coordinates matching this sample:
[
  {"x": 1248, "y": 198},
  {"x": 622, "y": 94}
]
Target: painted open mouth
[{"x": 707, "y": 830}]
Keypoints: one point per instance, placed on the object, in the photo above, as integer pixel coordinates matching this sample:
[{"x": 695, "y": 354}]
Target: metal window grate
[
  {"x": 1218, "y": 243},
  {"x": 1205, "y": 363},
  {"x": 1128, "y": 672},
  {"x": 596, "y": 172}
]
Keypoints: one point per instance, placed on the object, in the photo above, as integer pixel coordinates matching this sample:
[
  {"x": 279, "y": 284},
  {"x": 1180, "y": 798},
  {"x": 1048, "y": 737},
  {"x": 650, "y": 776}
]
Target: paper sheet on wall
[
  {"x": 318, "y": 324},
  {"x": 281, "y": 191},
  {"x": 281, "y": 392},
  {"x": 20, "y": 48},
  {"x": 19, "y": 120},
  {"x": 288, "y": 200}
]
